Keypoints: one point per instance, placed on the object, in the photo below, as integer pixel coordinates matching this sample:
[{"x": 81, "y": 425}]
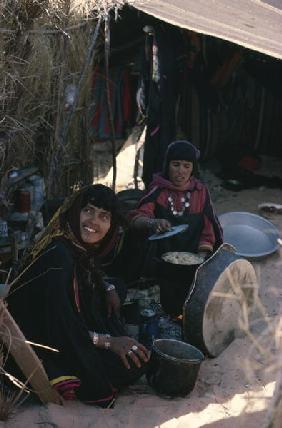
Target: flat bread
[{"x": 182, "y": 258}]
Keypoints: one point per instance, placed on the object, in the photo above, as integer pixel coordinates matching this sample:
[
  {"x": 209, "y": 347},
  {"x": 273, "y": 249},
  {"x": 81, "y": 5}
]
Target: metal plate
[
  {"x": 251, "y": 235},
  {"x": 172, "y": 231}
]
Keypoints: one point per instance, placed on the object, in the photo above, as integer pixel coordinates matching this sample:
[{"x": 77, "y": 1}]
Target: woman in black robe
[{"x": 60, "y": 300}]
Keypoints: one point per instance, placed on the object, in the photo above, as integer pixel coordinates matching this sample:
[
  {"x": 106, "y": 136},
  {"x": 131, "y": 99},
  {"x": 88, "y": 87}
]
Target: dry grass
[
  {"x": 10, "y": 399},
  {"x": 42, "y": 50},
  {"x": 264, "y": 359},
  {"x": 263, "y": 362}
]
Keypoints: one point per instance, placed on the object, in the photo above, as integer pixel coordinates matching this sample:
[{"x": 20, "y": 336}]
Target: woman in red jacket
[{"x": 176, "y": 197}]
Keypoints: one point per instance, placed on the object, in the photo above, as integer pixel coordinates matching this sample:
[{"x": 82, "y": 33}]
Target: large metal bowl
[{"x": 251, "y": 235}]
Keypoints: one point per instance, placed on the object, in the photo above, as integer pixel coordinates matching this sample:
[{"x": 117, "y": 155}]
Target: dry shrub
[
  {"x": 264, "y": 359},
  {"x": 263, "y": 362},
  {"x": 10, "y": 399},
  {"x": 42, "y": 49},
  {"x": 7, "y": 403}
]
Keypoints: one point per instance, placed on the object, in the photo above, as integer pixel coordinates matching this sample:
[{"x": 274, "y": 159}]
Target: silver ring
[
  {"x": 130, "y": 352},
  {"x": 134, "y": 348}
]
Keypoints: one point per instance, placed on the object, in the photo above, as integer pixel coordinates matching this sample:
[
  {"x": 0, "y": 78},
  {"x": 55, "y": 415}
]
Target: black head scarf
[
  {"x": 101, "y": 197},
  {"x": 181, "y": 150},
  {"x": 66, "y": 221}
]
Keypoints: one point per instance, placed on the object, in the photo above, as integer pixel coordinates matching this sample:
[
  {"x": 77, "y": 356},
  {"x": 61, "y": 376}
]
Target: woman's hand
[
  {"x": 128, "y": 348},
  {"x": 161, "y": 225},
  {"x": 148, "y": 224},
  {"x": 113, "y": 303}
]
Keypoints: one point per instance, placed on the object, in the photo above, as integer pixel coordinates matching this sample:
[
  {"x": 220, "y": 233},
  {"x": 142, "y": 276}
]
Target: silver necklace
[{"x": 185, "y": 204}]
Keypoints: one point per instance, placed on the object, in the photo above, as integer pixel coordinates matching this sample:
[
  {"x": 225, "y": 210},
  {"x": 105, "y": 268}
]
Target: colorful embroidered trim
[{"x": 66, "y": 386}]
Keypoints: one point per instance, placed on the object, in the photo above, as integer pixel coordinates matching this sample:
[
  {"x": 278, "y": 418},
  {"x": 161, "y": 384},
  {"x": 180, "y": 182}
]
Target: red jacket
[{"x": 199, "y": 203}]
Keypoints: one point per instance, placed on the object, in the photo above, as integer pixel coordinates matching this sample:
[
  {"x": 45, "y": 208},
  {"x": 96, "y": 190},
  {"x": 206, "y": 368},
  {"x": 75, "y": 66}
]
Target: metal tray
[{"x": 251, "y": 235}]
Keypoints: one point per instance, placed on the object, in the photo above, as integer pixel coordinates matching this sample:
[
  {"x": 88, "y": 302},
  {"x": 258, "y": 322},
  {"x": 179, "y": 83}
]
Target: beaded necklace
[{"x": 185, "y": 204}]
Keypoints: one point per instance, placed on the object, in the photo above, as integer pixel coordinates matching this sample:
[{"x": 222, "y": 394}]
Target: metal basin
[{"x": 251, "y": 235}]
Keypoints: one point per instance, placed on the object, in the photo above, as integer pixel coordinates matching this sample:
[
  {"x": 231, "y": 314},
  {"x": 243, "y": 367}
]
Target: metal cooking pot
[
  {"x": 174, "y": 367},
  {"x": 176, "y": 271}
]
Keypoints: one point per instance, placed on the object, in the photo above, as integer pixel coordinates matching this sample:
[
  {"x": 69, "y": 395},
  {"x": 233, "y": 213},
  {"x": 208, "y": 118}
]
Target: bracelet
[
  {"x": 95, "y": 338},
  {"x": 110, "y": 287}
]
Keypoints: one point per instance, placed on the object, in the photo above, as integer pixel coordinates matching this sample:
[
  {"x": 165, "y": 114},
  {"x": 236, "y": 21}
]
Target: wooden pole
[
  {"x": 56, "y": 158},
  {"x": 26, "y": 358},
  {"x": 110, "y": 111},
  {"x": 51, "y": 183}
]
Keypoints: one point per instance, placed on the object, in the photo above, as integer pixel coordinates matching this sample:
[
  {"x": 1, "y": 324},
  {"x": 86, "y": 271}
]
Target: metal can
[{"x": 149, "y": 327}]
